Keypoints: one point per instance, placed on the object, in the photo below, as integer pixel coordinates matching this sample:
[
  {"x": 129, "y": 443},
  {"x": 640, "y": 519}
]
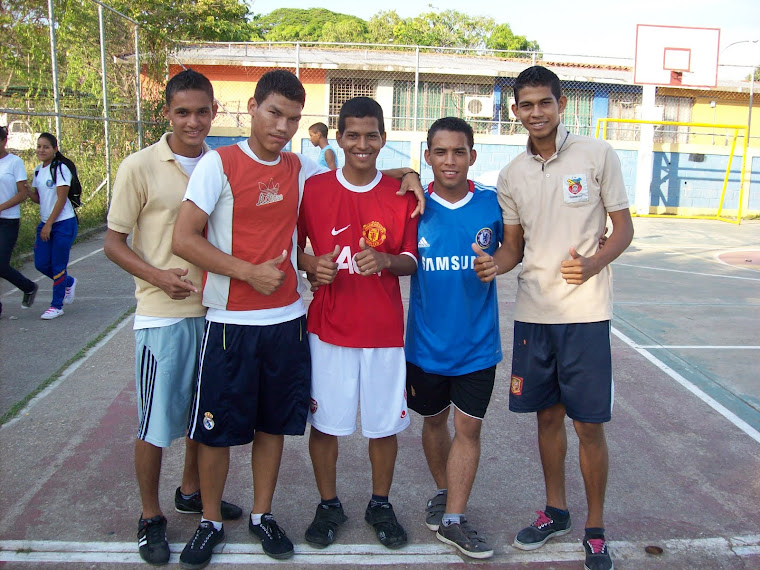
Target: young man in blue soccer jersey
[
  {"x": 555, "y": 199},
  {"x": 452, "y": 337}
]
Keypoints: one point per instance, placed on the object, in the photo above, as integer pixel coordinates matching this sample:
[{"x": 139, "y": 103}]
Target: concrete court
[{"x": 683, "y": 441}]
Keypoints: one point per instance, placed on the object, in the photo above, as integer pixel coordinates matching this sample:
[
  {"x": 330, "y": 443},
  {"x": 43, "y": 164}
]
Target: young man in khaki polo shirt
[
  {"x": 169, "y": 318},
  {"x": 555, "y": 199}
]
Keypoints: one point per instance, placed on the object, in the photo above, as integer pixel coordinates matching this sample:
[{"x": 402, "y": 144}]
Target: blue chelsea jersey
[{"x": 453, "y": 322}]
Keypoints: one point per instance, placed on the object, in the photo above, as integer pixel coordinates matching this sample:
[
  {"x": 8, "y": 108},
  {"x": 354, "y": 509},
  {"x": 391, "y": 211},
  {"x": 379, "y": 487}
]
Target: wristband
[{"x": 410, "y": 172}]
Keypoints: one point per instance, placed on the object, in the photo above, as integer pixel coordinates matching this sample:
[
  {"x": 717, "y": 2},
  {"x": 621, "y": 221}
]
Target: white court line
[
  {"x": 687, "y": 272},
  {"x": 248, "y": 554},
  {"x": 695, "y": 346},
  {"x": 714, "y": 404},
  {"x": 77, "y": 260},
  {"x": 68, "y": 372}
]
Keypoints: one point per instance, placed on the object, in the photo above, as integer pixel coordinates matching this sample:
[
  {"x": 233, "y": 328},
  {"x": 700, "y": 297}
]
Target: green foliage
[
  {"x": 502, "y": 38},
  {"x": 449, "y": 28},
  {"x": 312, "y": 25}
]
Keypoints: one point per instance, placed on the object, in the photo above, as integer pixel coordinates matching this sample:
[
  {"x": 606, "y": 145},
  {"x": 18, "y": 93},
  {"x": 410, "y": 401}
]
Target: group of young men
[{"x": 222, "y": 335}]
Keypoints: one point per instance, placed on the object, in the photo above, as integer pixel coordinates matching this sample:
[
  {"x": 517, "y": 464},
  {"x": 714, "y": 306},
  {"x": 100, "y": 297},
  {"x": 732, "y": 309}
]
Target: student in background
[{"x": 318, "y": 137}]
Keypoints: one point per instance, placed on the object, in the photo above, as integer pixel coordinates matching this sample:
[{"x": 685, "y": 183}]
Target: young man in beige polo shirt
[
  {"x": 169, "y": 319},
  {"x": 555, "y": 199}
]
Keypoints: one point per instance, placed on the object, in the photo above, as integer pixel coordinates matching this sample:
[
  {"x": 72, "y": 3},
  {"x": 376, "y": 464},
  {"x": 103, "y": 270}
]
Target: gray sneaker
[
  {"x": 465, "y": 538},
  {"x": 434, "y": 510}
]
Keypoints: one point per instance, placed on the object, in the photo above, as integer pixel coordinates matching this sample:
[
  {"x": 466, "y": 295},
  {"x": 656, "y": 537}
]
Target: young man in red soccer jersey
[{"x": 363, "y": 238}]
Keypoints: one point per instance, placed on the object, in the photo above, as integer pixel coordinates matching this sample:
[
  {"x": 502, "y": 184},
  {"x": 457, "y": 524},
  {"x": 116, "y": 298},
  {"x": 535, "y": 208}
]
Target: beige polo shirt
[
  {"x": 149, "y": 187},
  {"x": 561, "y": 203}
]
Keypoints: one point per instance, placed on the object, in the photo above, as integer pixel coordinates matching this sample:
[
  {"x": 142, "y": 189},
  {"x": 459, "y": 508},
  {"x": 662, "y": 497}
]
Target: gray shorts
[{"x": 166, "y": 365}]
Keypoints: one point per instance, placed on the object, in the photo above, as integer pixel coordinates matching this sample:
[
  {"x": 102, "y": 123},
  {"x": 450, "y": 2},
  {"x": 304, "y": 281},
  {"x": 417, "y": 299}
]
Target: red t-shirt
[{"x": 354, "y": 310}]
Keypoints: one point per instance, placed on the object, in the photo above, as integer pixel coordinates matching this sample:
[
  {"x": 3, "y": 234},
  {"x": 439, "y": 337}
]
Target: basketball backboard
[{"x": 678, "y": 56}]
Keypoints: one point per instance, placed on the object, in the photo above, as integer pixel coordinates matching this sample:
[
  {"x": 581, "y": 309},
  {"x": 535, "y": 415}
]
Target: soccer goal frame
[{"x": 738, "y": 130}]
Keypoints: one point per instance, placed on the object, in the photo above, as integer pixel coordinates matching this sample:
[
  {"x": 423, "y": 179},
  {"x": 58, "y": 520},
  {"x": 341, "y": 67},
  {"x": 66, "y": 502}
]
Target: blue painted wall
[{"x": 684, "y": 181}]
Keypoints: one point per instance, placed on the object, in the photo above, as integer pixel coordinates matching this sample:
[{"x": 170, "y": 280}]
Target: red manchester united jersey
[{"x": 354, "y": 310}]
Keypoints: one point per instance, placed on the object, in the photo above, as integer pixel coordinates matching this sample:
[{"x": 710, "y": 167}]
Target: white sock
[{"x": 217, "y": 525}]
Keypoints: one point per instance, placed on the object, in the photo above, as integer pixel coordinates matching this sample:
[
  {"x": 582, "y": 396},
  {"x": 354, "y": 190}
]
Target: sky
[{"x": 582, "y": 27}]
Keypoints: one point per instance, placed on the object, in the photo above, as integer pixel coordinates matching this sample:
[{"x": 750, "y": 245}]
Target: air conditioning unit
[{"x": 478, "y": 106}]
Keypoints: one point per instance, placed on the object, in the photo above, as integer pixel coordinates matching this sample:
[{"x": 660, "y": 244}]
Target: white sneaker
[
  {"x": 52, "y": 313},
  {"x": 68, "y": 298}
]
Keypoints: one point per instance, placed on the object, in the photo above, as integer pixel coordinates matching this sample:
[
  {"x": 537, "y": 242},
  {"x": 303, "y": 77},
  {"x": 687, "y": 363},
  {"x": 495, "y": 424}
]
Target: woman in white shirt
[
  {"x": 13, "y": 191},
  {"x": 58, "y": 228}
]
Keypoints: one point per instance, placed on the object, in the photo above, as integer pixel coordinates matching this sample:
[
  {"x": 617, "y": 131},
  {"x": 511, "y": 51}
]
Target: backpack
[{"x": 75, "y": 188}]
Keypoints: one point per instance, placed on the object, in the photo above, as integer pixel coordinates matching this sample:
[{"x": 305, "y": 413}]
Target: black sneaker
[
  {"x": 28, "y": 299},
  {"x": 197, "y": 552},
  {"x": 434, "y": 510},
  {"x": 273, "y": 539},
  {"x": 597, "y": 554},
  {"x": 388, "y": 530},
  {"x": 542, "y": 529},
  {"x": 321, "y": 531},
  {"x": 193, "y": 505},
  {"x": 465, "y": 538},
  {"x": 151, "y": 540}
]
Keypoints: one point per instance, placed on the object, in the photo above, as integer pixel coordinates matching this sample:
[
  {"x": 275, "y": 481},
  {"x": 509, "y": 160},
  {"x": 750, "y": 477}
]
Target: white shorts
[
  {"x": 166, "y": 365},
  {"x": 342, "y": 377}
]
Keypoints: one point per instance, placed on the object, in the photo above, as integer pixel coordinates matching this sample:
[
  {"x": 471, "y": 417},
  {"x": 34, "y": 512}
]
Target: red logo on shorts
[
  {"x": 313, "y": 406},
  {"x": 515, "y": 386},
  {"x": 403, "y": 414}
]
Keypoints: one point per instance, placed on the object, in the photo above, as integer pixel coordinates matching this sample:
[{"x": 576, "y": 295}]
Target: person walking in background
[
  {"x": 452, "y": 336},
  {"x": 169, "y": 318},
  {"x": 555, "y": 198},
  {"x": 318, "y": 137},
  {"x": 58, "y": 226},
  {"x": 13, "y": 190}
]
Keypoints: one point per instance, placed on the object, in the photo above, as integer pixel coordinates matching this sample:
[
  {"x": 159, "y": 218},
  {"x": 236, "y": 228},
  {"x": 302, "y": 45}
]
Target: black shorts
[
  {"x": 429, "y": 394},
  {"x": 251, "y": 378},
  {"x": 569, "y": 364}
]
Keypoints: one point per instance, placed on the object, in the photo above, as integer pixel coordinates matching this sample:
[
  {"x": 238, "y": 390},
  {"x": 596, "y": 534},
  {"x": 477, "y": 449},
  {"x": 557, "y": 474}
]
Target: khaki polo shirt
[
  {"x": 149, "y": 187},
  {"x": 561, "y": 203}
]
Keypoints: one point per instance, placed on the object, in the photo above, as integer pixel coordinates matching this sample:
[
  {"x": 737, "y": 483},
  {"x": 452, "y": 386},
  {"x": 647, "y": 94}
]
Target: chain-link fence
[{"x": 102, "y": 81}]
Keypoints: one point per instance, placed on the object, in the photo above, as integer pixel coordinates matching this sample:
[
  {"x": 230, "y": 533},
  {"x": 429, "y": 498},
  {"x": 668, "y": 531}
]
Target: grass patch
[{"x": 21, "y": 404}]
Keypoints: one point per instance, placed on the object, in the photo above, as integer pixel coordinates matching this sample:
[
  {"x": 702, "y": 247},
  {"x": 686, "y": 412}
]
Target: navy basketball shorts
[
  {"x": 565, "y": 363},
  {"x": 429, "y": 394},
  {"x": 251, "y": 378}
]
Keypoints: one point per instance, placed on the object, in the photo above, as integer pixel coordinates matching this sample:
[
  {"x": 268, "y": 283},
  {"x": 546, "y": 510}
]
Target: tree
[
  {"x": 449, "y": 28},
  {"x": 294, "y": 24},
  {"x": 381, "y": 27},
  {"x": 502, "y": 38}
]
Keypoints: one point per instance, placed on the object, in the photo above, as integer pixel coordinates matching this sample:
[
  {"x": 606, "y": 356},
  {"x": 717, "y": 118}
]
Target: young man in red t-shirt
[{"x": 363, "y": 238}]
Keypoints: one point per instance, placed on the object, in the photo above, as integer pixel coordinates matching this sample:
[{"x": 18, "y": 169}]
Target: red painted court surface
[{"x": 684, "y": 439}]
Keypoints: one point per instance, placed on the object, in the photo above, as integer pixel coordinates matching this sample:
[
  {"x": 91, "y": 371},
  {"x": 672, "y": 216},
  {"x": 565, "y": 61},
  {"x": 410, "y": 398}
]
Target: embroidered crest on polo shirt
[
  {"x": 208, "y": 421},
  {"x": 374, "y": 233},
  {"x": 484, "y": 237},
  {"x": 575, "y": 188},
  {"x": 270, "y": 193}
]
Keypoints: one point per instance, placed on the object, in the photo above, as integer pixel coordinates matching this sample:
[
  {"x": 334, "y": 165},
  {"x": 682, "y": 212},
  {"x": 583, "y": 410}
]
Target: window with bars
[
  {"x": 436, "y": 100},
  {"x": 623, "y": 106},
  {"x": 577, "y": 114},
  {"x": 344, "y": 88},
  {"x": 674, "y": 109}
]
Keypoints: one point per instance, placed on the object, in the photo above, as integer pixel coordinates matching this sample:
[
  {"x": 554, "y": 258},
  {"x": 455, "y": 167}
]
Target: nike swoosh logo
[{"x": 336, "y": 232}]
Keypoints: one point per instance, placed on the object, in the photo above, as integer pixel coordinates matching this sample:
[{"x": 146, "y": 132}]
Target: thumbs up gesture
[
  {"x": 326, "y": 269},
  {"x": 267, "y": 277},
  {"x": 578, "y": 269},
  {"x": 370, "y": 261},
  {"x": 484, "y": 265}
]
